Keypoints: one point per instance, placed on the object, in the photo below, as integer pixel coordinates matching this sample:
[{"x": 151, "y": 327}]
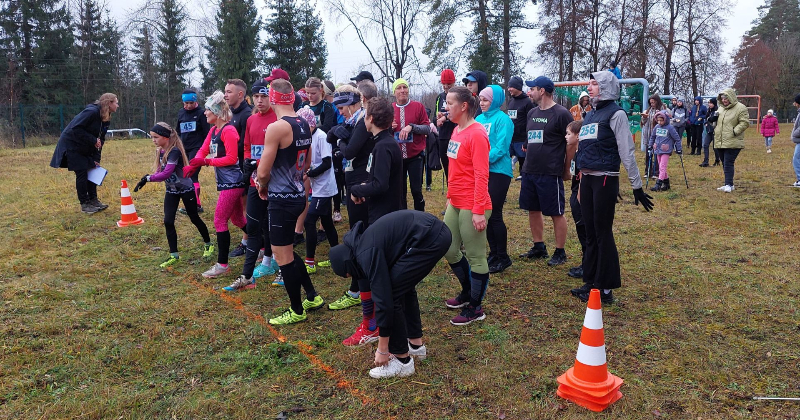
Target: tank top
[
  {"x": 228, "y": 177},
  {"x": 286, "y": 176}
]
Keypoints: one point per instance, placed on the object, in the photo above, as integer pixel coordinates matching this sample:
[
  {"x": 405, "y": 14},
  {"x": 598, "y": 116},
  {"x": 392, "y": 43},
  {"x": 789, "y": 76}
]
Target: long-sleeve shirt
[
  {"x": 412, "y": 113},
  {"x": 171, "y": 173},
  {"x": 622, "y": 132},
  {"x": 222, "y": 145},
  {"x": 384, "y": 187},
  {"x": 468, "y": 181},
  {"x": 357, "y": 150}
]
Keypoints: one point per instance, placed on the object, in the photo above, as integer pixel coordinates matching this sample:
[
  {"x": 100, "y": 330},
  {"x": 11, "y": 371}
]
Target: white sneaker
[
  {"x": 727, "y": 188},
  {"x": 241, "y": 283},
  {"x": 337, "y": 216},
  {"x": 216, "y": 270},
  {"x": 394, "y": 368},
  {"x": 769, "y": 150},
  {"x": 722, "y": 188},
  {"x": 796, "y": 184},
  {"x": 420, "y": 353}
]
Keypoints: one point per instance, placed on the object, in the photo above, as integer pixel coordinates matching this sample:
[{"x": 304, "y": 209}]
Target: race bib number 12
[{"x": 256, "y": 150}]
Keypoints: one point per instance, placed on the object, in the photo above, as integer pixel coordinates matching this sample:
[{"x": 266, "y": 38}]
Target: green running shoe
[
  {"x": 311, "y": 269},
  {"x": 288, "y": 317},
  {"x": 326, "y": 263},
  {"x": 172, "y": 260},
  {"x": 209, "y": 251},
  {"x": 344, "y": 302},
  {"x": 310, "y": 305}
]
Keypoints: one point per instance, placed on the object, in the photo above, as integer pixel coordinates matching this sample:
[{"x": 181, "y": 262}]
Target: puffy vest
[{"x": 597, "y": 145}]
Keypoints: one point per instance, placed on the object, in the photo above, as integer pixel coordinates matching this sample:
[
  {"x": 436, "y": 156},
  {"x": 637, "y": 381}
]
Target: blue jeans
[
  {"x": 768, "y": 141},
  {"x": 796, "y": 161}
]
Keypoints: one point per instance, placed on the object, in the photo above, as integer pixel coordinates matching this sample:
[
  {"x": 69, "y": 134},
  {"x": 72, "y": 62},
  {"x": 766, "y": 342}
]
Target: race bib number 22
[{"x": 452, "y": 149}]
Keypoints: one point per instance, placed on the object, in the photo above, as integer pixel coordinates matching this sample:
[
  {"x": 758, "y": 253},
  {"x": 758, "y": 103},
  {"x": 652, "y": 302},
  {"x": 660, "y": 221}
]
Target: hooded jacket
[
  {"x": 374, "y": 252},
  {"x": 698, "y": 114},
  {"x": 679, "y": 115},
  {"x": 75, "y": 149},
  {"x": 664, "y": 137},
  {"x": 713, "y": 115},
  {"x": 621, "y": 131},
  {"x": 796, "y": 129},
  {"x": 733, "y": 121},
  {"x": 500, "y": 129},
  {"x": 482, "y": 80},
  {"x": 769, "y": 126},
  {"x": 518, "y": 108}
]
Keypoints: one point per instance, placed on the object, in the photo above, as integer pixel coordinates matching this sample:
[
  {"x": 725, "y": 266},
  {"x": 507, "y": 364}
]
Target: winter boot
[
  {"x": 665, "y": 185},
  {"x": 657, "y": 187}
]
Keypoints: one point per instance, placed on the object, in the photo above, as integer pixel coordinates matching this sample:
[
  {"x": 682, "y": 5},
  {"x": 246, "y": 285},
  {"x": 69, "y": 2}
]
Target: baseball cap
[
  {"x": 469, "y": 78},
  {"x": 363, "y": 75},
  {"x": 278, "y": 74},
  {"x": 542, "y": 82}
]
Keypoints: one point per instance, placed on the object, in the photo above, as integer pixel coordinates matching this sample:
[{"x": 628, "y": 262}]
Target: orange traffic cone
[
  {"x": 588, "y": 383},
  {"x": 129, "y": 216}
]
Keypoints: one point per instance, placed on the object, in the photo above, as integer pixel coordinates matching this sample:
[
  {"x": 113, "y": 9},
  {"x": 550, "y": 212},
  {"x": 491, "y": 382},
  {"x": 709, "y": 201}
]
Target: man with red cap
[
  {"x": 443, "y": 123},
  {"x": 279, "y": 73}
]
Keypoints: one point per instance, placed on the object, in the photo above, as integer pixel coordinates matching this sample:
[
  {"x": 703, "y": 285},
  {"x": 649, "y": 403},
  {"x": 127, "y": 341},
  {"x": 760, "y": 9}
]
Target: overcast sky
[{"x": 346, "y": 56}]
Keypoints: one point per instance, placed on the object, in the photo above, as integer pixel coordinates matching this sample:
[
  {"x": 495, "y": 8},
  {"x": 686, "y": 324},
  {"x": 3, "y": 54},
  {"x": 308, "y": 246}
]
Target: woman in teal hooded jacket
[{"x": 500, "y": 129}]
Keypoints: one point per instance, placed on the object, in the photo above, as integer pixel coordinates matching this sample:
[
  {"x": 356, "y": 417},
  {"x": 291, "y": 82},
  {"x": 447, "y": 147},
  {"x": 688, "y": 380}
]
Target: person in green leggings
[{"x": 468, "y": 205}]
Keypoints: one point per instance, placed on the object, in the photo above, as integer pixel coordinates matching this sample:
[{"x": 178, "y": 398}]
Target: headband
[
  {"x": 214, "y": 107},
  {"x": 189, "y": 97},
  {"x": 346, "y": 98},
  {"x": 277, "y": 98},
  {"x": 326, "y": 88},
  {"x": 161, "y": 130}
]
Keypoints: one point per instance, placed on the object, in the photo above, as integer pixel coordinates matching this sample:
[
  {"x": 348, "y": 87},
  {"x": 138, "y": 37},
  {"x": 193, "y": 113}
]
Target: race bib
[
  {"x": 588, "y": 132},
  {"x": 213, "y": 148},
  {"x": 369, "y": 163},
  {"x": 661, "y": 132},
  {"x": 301, "y": 159},
  {"x": 512, "y": 113},
  {"x": 316, "y": 118},
  {"x": 452, "y": 149},
  {"x": 256, "y": 150},
  {"x": 488, "y": 127},
  {"x": 348, "y": 165},
  {"x": 189, "y": 126},
  {"x": 572, "y": 167},
  {"x": 535, "y": 136}
]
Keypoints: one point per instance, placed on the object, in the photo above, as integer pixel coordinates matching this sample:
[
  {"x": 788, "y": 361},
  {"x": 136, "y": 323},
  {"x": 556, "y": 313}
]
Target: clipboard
[{"x": 97, "y": 174}]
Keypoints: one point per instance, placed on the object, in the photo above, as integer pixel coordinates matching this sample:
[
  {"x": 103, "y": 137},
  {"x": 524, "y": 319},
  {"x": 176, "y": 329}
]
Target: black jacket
[
  {"x": 325, "y": 113},
  {"x": 521, "y": 104},
  {"x": 384, "y": 186},
  {"x": 357, "y": 149},
  {"x": 239, "y": 121},
  {"x": 76, "y": 147},
  {"x": 376, "y": 249},
  {"x": 193, "y": 129}
]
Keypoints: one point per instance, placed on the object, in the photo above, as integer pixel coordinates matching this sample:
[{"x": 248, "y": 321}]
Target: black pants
[
  {"x": 728, "y": 157},
  {"x": 697, "y": 137},
  {"x": 257, "y": 230},
  {"x": 598, "y": 204},
  {"x": 87, "y": 191},
  {"x": 321, "y": 211},
  {"x": 356, "y": 212},
  {"x": 443, "y": 155},
  {"x": 577, "y": 217},
  {"x": 709, "y": 142},
  {"x": 338, "y": 174},
  {"x": 412, "y": 171},
  {"x": 496, "y": 231},
  {"x": 171, "y": 202},
  {"x": 404, "y": 275}
]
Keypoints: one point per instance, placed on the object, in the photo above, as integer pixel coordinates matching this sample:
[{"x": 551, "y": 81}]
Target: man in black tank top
[{"x": 280, "y": 180}]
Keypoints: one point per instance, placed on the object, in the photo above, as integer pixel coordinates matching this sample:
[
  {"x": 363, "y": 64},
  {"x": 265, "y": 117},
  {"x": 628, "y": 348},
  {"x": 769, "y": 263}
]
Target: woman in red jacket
[
  {"x": 769, "y": 129},
  {"x": 468, "y": 205}
]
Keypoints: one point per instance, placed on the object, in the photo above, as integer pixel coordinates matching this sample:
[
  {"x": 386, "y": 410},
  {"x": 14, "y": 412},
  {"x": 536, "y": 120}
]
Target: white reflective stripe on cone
[
  {"x": 125, "y": 192},
  {"x": 593, "y": 319},
  {"x": 591, "y": 356},
  {"x": 128, "y": 209}
]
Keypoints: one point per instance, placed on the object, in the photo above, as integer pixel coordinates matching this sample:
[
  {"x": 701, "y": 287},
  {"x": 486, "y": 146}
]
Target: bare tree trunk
[
  {"x": 506, "y": 41},
  {"x": 674, "y": 6}
]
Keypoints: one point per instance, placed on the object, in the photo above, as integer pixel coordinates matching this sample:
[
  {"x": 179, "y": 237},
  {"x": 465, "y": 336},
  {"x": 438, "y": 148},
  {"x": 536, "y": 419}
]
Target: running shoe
[
  {"x": 95, "y": 202},
  {"x": 362, "y": 336},
  {"x": 239, "y": 251},
  {"x": 420, "y": 354},
  {"x": 457, "y": 302},
  {"x": 393, "y": 369},
  {"x": 278, "y": 279},
  {"x": 469, "y": 315},
  {"x": 604, "y": 297},
  {"x": 265, "y": 270},
  {"x": 89, "y": 208},
  {"x": 558, "y": 258},
  {"x": 796, "y": 184},
  {"x": 311, "y": 269},
  {"x": 326, "y": 263},
  {"x": 576, "y": 272},
  {"x": 535, "y": 253},
  {"x": 184, "y": 212},
  {"x": 288, "y": 317},
  {"x": 344, "y": 302},
  {"x": 209, "y": 251},
  {"x": 310, "y": 305},
  {"x": 216, "y": 270},
  {"x": 241, "y": 283},
  {"x": 337, "y": 217},
  {"x": 170, "y": 261},
  {"x": 585, "y": 288}
]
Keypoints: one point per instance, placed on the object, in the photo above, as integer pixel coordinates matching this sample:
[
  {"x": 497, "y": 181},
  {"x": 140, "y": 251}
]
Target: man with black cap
[
  {"x": 542, "y": 190},
  {"x": 192, "y": 128},
  {"x": 518, "y": 108},
  {"x": 393, "y": 255},
  {"x": 363, "y": 75}
]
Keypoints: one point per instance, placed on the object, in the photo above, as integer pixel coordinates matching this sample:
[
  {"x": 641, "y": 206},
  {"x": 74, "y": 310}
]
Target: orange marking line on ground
[{"x": 304, "y": 348}]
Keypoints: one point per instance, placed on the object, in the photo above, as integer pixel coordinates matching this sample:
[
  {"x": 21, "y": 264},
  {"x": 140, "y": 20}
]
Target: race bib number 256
[{"x": 588, "y": 132}]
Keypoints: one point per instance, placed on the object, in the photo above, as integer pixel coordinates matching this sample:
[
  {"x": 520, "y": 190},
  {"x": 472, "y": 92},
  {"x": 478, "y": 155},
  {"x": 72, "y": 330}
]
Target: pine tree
[
  {"x": 776, "y": 18},
  {"x": 173, "y": 54},
  {"x": 232, "y": 53},
  {"x": 145, "y": 59},
  {"x": 296, "y": 43},
  {"x": 93, "y": 50}
]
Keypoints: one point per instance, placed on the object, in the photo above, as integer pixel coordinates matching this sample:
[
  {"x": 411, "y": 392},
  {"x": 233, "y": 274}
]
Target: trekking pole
[
  {"x": 649, "y": 172},
  {"x": 680, "y": 155}
]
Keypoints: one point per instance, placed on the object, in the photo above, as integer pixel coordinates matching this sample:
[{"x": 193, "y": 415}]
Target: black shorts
[
  {"x": 319, "y": 206},
  {"x": 283, "y": 215},
  {"x": 544, "y": 193}
]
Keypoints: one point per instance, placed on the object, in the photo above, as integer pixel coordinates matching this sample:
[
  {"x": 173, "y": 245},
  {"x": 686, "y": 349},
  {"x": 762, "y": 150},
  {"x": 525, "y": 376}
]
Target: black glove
[
  {"x": 337, "y": 154},
  {"x": 249, "y": 167},
  {"x": 340, "y": 132},
  {"x": 140, "y": 184},
  {"x": 640, "y": 196}
]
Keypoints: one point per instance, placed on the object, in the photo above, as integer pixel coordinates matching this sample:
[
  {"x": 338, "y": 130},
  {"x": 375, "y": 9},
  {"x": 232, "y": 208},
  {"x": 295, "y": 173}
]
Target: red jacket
[{"x": 769, "y": 126}]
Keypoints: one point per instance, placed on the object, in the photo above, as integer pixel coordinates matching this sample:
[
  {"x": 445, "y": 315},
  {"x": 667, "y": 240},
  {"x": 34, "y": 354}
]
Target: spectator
[
  {"x": 518, "y": 108},
  {"x": 769, "y": 129},
  {"x": 411, "y": 127},
  {"x": 581, "y": 108},
  {"x": 729, "y": 134},
  {"x": 796, "y": 141},
  {"x": 697, "y": 117},
  {"x": 708, "y": 132}
]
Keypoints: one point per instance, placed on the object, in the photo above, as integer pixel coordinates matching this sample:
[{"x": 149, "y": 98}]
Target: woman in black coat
[{"x": 80, "y": 145}]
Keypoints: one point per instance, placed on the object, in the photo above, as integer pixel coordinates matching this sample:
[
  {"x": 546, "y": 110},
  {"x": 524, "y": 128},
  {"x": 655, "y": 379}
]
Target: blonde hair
[
  {"x": 104, "y": 100},
  {"x": 174, "y": 142},
  {"x": 347, "y": 88},
  {"x": 217, "y": 105}
]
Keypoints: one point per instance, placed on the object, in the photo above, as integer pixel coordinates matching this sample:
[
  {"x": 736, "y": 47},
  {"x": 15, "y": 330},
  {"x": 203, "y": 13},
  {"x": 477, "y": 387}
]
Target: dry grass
[{"x": 92, "y": 328}]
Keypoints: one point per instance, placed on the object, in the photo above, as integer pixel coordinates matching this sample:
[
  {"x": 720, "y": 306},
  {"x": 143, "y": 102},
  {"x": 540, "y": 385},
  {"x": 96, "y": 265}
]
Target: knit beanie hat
[
  {"x": 448, "y": 77},
  {"x": 797, "y": 98},
  {"x": 398, "y": 82},
  {"x": 516, "y": 83},
  {"x": 307, "y": 114},
  {"x": 770, "y": 112},
  {"x": 487, "y": 93}
]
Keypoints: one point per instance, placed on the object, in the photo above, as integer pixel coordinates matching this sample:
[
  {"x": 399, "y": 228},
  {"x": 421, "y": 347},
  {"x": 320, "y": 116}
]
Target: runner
[
  {"x": 235, "y": 92},
  {"x": 411, "y": 127},
  {"x": 445, "y": 126},
  {"x": 192, "y": 128},
  {"x": 518, "y": 108}
]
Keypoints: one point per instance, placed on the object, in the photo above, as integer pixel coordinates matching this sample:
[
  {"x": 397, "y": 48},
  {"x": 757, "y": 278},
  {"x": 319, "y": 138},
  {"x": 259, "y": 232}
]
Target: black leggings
[
  {"x": 257, "y": 231},
  {"x": 496, "y": 231},
  {"x": 87, "y": 190},
  {"x": 356, "y": 212},
  {"x": 412, "y": 172},
  {"x": 171, "y": 202},
  {"x": 310, "y": 224},
  {"x": 598, "y": 204}
]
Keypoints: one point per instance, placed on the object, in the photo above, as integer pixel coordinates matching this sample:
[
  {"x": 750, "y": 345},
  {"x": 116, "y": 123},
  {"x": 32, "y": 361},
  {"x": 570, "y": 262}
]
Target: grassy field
[{"x": 91, "y": 328}]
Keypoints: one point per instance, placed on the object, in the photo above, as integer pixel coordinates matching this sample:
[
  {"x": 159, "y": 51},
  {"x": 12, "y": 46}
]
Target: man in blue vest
[{"x": 604, "y": 142}]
